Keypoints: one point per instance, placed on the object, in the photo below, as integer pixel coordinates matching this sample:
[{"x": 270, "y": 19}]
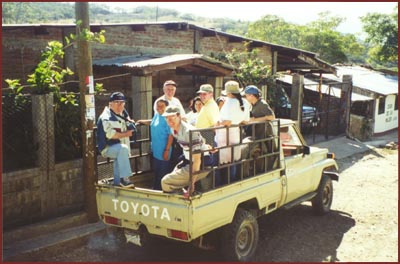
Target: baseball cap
[
  {"x": 171, "y": 110},
  {"x": 252, "y": 89},
  {"x": 206, "y": 88},
  {"x": 170, "y": 82},
  {"x": 117, "y": 96}
]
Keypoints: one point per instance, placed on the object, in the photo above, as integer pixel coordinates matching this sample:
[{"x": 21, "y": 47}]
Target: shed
[{"x": 146, "y": 69}]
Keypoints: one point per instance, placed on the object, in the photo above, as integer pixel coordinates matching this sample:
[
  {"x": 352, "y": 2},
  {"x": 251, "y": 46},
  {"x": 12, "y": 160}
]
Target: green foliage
[
  {"x": 86, "y": 34},
  {"x": 274, "y": 29},
  {"x": 35, "y": 12},
  {"x": 48, "y": 76},
  {"x": 67, "y": 129},
  {"x": 16, "y": 91},
  {"x": 319, "y": 36},
  {"x": 98, "y": 88},
  {"x": 250, "y": 69},
  {"x": 382, "y": 31}
]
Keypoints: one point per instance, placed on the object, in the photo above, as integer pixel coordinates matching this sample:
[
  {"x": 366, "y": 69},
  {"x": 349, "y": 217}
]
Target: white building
[
  {"x": 379, "y": 101},
  {"x": 374, "y": 98}
]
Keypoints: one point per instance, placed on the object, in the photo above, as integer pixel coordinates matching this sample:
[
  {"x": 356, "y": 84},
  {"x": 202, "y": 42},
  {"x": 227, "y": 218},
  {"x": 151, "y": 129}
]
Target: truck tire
[
  {"x": 322, "y": 202},
  {"x": 240, "y": 238}
]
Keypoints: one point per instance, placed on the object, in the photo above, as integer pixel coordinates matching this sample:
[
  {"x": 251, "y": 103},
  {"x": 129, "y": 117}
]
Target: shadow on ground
[{"x": 285, "y": 235}]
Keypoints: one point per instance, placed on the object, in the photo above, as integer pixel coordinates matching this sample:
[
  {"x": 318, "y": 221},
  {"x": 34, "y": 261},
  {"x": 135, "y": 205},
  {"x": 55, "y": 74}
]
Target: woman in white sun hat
[{"x": 233, "y": 112}]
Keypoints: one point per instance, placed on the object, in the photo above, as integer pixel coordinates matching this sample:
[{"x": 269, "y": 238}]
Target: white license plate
[{"x": 133, "y": 238}]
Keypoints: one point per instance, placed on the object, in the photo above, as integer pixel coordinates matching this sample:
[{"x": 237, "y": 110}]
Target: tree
[
  {"x": 382, "y": 31},
  {"x": 274, "y": 29},
  {"x": 249, "y": 68},
  {"x": 320, "y": 36}
]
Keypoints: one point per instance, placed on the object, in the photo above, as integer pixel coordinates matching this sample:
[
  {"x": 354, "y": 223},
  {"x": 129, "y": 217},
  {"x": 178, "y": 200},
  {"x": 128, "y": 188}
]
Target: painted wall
[{"x": 387, "y": 120}]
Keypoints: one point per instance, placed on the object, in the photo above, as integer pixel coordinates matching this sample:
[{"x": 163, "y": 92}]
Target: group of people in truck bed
[{"x": 171, "y": 124}]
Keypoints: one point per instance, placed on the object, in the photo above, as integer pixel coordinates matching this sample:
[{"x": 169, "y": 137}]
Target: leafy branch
[{"x": 48, "y": 76}]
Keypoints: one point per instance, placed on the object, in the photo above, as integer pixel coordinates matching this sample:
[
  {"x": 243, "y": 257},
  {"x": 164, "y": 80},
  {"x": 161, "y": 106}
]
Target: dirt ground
[{"x": 362, "y": 226}]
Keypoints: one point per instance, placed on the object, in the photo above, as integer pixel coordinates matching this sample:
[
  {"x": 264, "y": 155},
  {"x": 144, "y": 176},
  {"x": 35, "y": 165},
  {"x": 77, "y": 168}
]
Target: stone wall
[
  {"x": 23, "y": 197},
  {"x": 361, "y": 127}
]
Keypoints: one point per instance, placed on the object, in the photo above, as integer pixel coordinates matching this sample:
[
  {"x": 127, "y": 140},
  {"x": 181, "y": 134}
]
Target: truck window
[{"x": 291, "y": 143}]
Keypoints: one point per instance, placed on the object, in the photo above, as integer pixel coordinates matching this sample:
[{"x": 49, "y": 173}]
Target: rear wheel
[
  {"x": 322, "y": 202},
  {"x": 240, "y": 238}
]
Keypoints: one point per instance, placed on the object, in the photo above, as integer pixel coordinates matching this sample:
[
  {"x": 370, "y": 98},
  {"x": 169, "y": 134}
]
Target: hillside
[{"x": 51, "y": 12}]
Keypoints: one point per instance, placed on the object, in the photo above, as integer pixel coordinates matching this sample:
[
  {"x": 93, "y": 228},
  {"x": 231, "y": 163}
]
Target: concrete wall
[
  {"x": 361, "y": 127},
  {"x": 389, "y": 119},
  {"x": 23, "y": 194}
]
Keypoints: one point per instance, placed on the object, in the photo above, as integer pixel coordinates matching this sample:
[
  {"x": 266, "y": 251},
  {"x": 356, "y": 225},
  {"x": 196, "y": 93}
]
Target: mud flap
[{"x": 332, "y": 175}]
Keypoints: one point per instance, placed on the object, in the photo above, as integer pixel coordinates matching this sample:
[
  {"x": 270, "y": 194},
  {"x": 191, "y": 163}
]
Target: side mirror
[{"x": 306, "y": 150}]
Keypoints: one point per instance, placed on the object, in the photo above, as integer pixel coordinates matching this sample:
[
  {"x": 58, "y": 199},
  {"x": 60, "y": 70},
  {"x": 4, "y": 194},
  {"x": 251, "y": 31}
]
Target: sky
[{"x": 294, "y": 12}]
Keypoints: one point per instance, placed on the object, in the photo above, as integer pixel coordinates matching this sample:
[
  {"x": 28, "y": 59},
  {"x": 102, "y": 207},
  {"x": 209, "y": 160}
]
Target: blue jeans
[
  {"x": 160, "y": 168},
  {"x": 122, "y": 166}
]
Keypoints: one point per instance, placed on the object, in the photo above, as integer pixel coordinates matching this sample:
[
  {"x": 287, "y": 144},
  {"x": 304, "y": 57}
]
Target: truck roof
[{"x": 284, "y": 121}]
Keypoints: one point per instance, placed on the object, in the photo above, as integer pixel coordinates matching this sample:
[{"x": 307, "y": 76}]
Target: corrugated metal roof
[
  {"x": 147, "y": 60},
  {"x": 367, "y": 79},
  {"x": 313, "y": 86}
]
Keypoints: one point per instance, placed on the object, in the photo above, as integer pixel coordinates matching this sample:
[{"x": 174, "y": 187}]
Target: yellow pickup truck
[{"x": 276, "y": 170}]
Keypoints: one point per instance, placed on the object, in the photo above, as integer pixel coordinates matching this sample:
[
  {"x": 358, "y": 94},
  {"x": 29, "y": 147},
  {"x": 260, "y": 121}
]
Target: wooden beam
[
  {"x": 213, "y": 67},
  {"x": 316, "y": 63}
]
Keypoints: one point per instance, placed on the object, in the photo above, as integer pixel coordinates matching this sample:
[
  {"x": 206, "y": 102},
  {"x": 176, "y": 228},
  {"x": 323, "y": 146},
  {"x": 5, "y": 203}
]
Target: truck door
[{"x": 298, "y": 166}]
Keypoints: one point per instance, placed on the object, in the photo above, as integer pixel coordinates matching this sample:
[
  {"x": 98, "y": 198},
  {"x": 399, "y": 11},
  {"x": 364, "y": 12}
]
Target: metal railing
[{"x": 260, "y": 153}]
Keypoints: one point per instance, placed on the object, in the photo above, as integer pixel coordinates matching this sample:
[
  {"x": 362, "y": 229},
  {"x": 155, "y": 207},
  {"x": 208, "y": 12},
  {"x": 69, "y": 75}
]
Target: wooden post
[
  {"x": 87, "y": 110},
  {"x": 297, "y": 98},
  {"x": 274, "y": 63},
  {"x": 347, "y": 89},
  {"x": 219, "y": 84},
  {"x": 142, "y": 108}
]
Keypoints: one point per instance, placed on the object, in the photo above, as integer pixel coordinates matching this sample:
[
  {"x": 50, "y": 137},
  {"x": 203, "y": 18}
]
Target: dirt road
[{"x": 362, "y": 227}]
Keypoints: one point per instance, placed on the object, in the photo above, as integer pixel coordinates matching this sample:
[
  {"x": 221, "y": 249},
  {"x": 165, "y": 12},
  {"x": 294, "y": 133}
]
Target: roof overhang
[
  {"x": 184, "y": 64},
  {"x": 299, "y": 61}
]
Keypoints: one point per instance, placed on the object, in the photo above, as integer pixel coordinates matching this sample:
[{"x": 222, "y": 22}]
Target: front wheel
[
  {"x": 240, "y": 238},
  {"x": 322, "y": 202}
]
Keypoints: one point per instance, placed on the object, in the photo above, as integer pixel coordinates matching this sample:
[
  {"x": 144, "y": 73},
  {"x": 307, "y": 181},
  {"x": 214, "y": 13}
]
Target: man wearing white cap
[
  {"x": 180, "y": 176},
  {"x": 169, "y": 89}
]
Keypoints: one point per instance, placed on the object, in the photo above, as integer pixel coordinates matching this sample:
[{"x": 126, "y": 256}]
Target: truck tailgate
[{"x": 159, "y": 212}]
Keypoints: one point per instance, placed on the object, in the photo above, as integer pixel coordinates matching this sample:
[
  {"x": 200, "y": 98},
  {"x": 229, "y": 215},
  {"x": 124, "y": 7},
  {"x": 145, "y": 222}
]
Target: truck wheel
[
  {"x": 240, "y": 238},
  {"x": 322, "y": 202}
]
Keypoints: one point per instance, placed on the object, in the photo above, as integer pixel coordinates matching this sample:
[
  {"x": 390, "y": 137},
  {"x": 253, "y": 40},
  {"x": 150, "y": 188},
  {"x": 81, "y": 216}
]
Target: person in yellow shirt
[
  {"x": 209, "y": 113},
  {"x": 208, "y": 117}
]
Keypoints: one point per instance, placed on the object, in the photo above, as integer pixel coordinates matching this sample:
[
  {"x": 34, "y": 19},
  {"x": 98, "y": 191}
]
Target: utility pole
[{"x": 86, "y": 88}]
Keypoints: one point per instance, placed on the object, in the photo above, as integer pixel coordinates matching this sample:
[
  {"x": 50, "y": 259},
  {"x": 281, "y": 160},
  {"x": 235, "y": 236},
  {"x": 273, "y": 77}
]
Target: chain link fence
[{"x": 19, "y": 151}]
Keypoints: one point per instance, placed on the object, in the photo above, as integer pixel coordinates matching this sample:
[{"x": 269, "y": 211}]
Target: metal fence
[
  {"x": 19, "y": 148},
  {"x": 19, "y": 151}
]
